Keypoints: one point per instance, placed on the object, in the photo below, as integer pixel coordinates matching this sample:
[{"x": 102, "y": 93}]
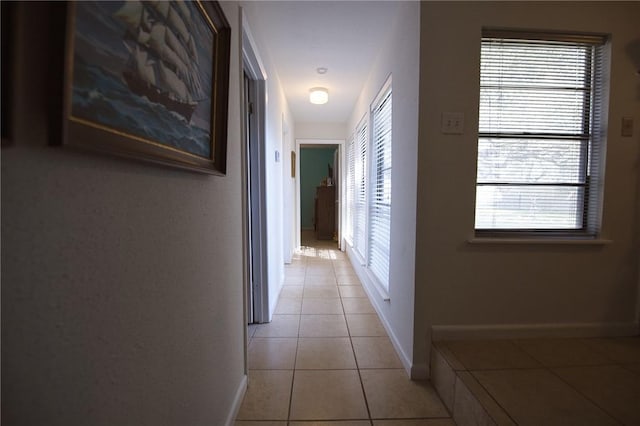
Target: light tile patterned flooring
[
  {"x": 551, "y": 381},
  {"x": 326, "y": 360}
]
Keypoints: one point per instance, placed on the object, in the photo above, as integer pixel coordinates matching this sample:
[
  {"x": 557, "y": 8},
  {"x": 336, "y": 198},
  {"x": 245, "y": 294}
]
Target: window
[
  {"x": 380, "y": 201},
  {"x": 351, "y": 166},
  {"x": 369, "y": 189},
  {"x": 540, "y": 144},
  {"x": 360, "y": 193}
]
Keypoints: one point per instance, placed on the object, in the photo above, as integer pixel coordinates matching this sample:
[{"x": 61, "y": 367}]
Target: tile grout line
[
  {"x": 364, "y": 394},
  {"x": 579, "y": 392},
  {"x": 295, "y": 358},
  {"x": 293, "y": 376},
  {"x": 486, "y": 410}
]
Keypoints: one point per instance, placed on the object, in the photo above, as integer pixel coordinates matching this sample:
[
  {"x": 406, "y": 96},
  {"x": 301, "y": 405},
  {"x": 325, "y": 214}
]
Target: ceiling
[{"x": 342, "y": 36}]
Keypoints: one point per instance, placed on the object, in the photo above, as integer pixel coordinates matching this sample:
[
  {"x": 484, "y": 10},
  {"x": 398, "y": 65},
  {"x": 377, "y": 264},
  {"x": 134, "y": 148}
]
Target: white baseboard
[
  {"x": 406, "y": 361},
  {"x": 404, "y": 358},
  {"x": 237, "y": 402},
  {"x": 523, "y": 331},
  {"x": 416, "y": 372}
]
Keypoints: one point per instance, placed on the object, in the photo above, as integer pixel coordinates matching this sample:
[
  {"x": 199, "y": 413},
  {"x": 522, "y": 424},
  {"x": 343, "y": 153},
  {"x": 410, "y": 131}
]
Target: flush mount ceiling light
[{"x": 318, "y": 95}]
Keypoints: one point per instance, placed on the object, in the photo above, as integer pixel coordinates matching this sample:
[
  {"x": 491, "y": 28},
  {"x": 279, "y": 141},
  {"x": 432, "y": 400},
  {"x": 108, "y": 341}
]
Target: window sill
[
  {"x": 369, "y": 279},
  {"x": 373, "y": 281},
  {"x": 541, "y": 241},
  {"x": 382, "y": 292}
]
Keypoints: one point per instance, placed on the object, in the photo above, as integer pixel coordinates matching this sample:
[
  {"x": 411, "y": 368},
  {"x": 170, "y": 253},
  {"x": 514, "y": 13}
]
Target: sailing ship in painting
[
  {"x": 145, "y": 69},
  {"x": 163, "y": 62}
]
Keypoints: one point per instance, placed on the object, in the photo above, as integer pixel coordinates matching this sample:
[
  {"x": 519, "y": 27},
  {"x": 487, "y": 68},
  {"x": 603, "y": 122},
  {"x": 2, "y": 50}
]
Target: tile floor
[
  {"x": 540, "y": 381},
  {"x": 326, "y": 360}
]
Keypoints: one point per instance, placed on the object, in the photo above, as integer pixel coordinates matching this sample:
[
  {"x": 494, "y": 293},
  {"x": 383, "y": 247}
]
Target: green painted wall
[{"x": 313, "y": 168}]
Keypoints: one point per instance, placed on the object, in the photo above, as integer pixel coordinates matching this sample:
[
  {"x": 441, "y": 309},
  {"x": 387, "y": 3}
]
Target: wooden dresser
[{"x": 325, "y": 212}]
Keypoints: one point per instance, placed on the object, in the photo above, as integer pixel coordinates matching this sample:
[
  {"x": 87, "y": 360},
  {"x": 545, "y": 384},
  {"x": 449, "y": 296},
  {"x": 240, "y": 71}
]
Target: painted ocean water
[{"x": 101, "y": 95}]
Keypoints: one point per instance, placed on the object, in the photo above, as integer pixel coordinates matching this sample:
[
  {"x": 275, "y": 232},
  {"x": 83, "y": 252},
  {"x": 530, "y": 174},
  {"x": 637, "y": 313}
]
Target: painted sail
[
  {"x": 158, "y": 43},
  {"x": 184, "y": 10},
  {"x": 130, "y": 14},
  {"x": 144, "y": 66},
  {"x": 192, "y": 50},
  {"x": 171, "y": 79},
  {"x": 178, "y": 24},
  {"x": 162, "y": 7},
  {"x": 164, "y": 61}
]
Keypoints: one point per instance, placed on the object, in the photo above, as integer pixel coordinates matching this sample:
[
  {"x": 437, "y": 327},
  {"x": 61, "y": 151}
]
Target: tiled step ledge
[{"x": 467, "y": 401}]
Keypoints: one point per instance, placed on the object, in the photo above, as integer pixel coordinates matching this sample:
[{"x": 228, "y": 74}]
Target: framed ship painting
[{"x": 148, "y": 80}]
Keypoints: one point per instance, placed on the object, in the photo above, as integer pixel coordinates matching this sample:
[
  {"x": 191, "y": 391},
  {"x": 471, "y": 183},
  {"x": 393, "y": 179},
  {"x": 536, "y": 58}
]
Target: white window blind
[
  {"x": 540, "y": 144},
  {"x": 351, "y": 165},
  {"x": 380, "y": 201},
  {"x": 360, "y": 192}
]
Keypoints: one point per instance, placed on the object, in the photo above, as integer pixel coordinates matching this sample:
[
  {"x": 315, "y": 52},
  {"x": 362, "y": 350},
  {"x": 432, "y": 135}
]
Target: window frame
[
  {"x": 593, "y": 145},
  {"x": 361, "y": 188},
  {"x": 384, "y": 98},
  {"x": 350, "y": 188}
]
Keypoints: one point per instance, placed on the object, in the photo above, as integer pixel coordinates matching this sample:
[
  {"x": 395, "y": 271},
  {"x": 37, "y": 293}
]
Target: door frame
[
  {"x": 341, "y": 185},
  {"x": 255, "y": 237}
]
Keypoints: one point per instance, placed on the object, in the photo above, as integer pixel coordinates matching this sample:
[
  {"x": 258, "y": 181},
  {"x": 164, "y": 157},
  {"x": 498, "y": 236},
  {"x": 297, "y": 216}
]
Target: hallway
[{"x": 326, "y": 356}]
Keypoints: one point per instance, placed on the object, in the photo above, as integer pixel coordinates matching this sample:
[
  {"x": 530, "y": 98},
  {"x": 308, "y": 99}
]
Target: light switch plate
[
  {"x": 627, "y": 127},
  {"x": 452, "y": 123}
]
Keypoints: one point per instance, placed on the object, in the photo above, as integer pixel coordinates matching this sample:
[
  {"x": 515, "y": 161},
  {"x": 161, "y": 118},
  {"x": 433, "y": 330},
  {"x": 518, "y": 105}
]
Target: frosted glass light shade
[{"x": 318, "y": 95}]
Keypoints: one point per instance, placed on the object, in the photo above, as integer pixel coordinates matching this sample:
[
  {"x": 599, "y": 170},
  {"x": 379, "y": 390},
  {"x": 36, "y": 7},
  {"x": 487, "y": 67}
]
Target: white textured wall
[
  {"x": 462, "y": 284},
  {"x": 321, "y": 130},
  {"x": 122, "y": 295},
  {"x": 289, "y": 193},
  {"x": 399, "y": 56}
]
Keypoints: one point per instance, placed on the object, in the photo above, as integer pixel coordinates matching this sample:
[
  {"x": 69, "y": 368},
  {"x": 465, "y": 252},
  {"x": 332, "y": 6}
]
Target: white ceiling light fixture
[{"x": 318, "y": 95}]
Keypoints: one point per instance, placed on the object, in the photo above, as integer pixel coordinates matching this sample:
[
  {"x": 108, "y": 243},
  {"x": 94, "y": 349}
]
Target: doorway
[{"x": 326, "y": 160}]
